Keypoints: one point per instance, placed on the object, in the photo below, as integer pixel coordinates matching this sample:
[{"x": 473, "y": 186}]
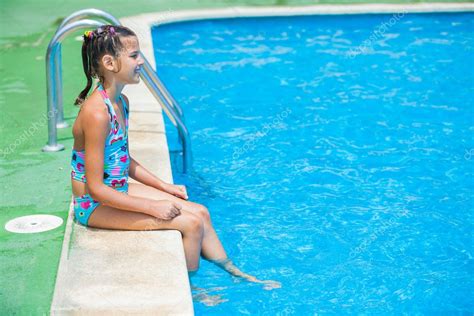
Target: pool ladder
[{"x": 92, "y": 18}]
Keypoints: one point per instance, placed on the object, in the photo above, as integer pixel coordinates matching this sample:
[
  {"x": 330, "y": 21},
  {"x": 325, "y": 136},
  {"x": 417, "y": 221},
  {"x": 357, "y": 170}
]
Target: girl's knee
[
  {"x": 193, "y": 225},
  {"x": 203, "y": 213}
]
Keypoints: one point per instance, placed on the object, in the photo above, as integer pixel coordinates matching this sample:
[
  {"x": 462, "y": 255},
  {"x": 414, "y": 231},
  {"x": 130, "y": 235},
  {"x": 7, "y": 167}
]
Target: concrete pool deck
[{"x": 144, "y": 272}]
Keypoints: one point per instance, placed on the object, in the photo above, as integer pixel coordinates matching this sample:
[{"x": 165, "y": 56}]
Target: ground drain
[{"x": 33, "y": 224}]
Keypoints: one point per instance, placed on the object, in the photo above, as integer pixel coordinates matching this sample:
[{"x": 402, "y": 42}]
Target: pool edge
[{"x": 140, "y": 23}]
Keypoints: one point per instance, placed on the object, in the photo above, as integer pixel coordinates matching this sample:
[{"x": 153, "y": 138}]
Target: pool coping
[{"x": 142, "y": 23}]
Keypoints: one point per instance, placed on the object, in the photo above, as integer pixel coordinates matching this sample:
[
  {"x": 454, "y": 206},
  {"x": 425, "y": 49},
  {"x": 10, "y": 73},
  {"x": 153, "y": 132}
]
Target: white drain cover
[{"x": 33, "y": 224}]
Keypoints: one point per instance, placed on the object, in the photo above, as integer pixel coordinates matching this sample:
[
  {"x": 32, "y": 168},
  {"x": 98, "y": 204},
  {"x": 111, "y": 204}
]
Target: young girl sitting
[{"x": 101, "y": 162}]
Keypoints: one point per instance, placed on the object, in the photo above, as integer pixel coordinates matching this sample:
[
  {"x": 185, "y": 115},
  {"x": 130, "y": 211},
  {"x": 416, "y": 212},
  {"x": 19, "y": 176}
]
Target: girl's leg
[
  {"x": 212, "y": 248},
  {"x": 190, "y": 226}
]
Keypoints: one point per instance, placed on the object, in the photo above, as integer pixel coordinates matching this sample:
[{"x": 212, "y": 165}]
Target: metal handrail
[
  {"x": 51, "y": 78},
  {"x": 170, "y": 111},
  {"x": 76, "y": 16},
  {"x": 72, "y": 23},
  {"x": 162, "y": 88}
]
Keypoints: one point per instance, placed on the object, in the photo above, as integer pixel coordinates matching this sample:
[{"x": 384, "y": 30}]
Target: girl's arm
[
  {"x": 95, "y": 138},
  {"x": 141, "y": 174}
]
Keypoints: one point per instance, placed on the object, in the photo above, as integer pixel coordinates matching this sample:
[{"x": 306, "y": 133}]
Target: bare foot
[
  {"x": 270, "y": 285},
  {"x": 229, "y": 266}
]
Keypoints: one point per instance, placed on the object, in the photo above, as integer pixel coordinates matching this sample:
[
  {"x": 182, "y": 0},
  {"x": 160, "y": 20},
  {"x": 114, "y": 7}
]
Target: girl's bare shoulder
[{"x": 94, "y": 110}]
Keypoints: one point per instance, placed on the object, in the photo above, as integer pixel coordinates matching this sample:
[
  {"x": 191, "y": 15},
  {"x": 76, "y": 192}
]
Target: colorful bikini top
[{"x": 116, "y": 155}]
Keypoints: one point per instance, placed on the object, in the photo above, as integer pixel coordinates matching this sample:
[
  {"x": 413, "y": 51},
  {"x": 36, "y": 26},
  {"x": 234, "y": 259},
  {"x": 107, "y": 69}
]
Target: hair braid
[{"x": 87, "y": 71}]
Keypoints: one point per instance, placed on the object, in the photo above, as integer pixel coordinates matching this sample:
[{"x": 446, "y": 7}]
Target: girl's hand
[
  {"x": 164, "y": 209},
  {"x": 176, "y": 190}
]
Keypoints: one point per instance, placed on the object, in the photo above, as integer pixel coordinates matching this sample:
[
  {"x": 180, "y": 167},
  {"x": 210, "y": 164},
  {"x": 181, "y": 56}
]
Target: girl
[{"x": 101, "y": 162}]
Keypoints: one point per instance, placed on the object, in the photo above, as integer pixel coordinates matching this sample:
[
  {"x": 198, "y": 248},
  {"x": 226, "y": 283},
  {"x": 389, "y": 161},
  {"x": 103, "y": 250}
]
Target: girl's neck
[{"x": 113, "y": 91}]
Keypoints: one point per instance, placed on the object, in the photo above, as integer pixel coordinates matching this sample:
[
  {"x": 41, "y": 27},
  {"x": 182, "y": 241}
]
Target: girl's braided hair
[{"x": 103, "y": 40}]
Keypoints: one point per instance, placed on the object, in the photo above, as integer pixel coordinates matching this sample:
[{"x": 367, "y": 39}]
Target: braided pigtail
[{"x": 86, "y": 64}]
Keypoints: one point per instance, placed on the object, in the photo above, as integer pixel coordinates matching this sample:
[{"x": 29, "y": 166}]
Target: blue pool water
[{"x": 335, "y": 154}]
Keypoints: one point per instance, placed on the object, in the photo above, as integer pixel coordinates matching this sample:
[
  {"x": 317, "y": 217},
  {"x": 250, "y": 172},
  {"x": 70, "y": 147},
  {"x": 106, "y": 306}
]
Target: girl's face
[{"x": 129, "y": 61}]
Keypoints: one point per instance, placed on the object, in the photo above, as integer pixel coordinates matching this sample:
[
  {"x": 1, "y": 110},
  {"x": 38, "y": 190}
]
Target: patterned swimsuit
[{"x": 116, "y": 162}]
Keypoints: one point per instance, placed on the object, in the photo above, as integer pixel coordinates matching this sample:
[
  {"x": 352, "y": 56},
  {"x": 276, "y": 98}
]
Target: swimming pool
[{"x": 336, "y": 156}]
